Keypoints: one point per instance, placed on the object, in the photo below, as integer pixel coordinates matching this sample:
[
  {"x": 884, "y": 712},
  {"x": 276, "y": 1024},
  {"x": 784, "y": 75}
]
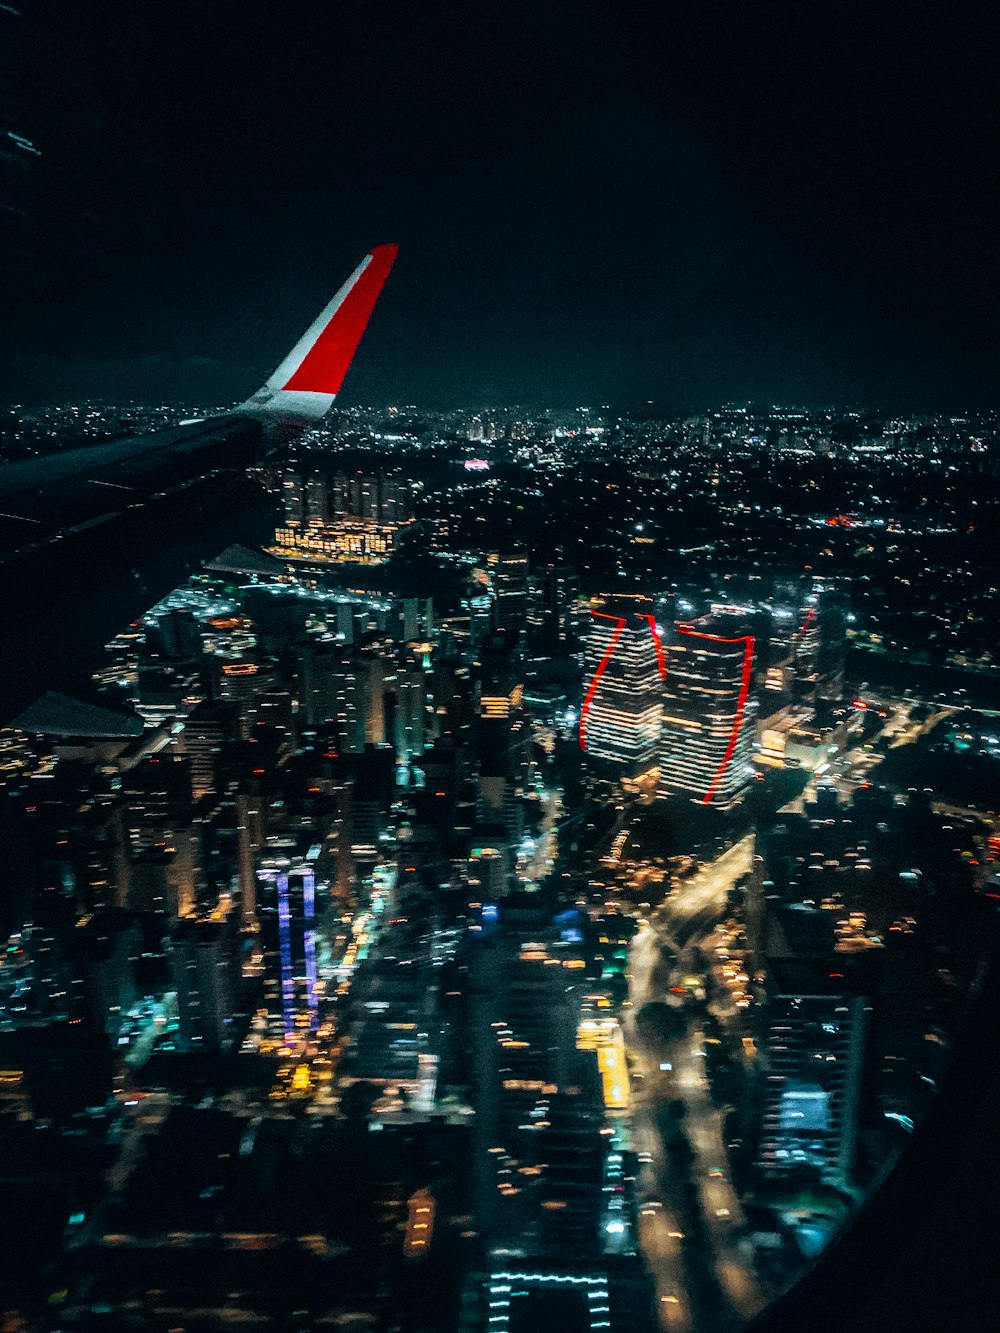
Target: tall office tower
[
  {"x": 351, "y": 704},
  {"x": 805, "y": 640},
  {"x": 250, "y": 834},
  {"x": 502, "y": 731},
  {"x": 817, "y": 643},
  {"x": 175, "y": 635},
  {"x": 776, "y": 654},
  {"x": 536, "y": 598},
  {"x": 489, "y": 872},
  {"x": 454, "y": 708},
  {"x": 277, "y": 710},
  {"x": 159, "y": 866},
  {"x": 415, "y": 618},
  {"x": 813, "y": 1052},
  {"x": 624, "y": 665},
  {"x": 45, "y": 982},
  {"x": 378, "y": 669},
  {"x": 406, "y": 703},
  {"x": 289, "y": 928},
  {"x": 100, "y": 972},
  {"x": 524, "y": 1014},
  {"x": 358, "y": 685},
  {"x": 317, "y": 671},
  {"x": 205, "y": 976},
  {"x": 510, "y": 590},
  {"x": 208, "y": 728},
  {"x": 572, "y": 1155},
  {"x": 553, "y": 617},
  {"x": 831, "y": 654},
  {"x": 162, "y": 880},
  {"x": 708, "y": 713},
  {"x": 343, "y": 686},
  {"x": 243, "y": 683}
]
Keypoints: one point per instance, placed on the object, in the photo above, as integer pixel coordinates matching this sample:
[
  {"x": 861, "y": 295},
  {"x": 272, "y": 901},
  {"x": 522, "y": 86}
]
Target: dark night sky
[{"x": 687, "y": 203}]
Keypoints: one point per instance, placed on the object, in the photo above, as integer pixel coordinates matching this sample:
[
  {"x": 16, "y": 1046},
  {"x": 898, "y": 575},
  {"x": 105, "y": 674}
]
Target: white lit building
[
  {"x": 706, "y": 745},
  {"x": 624, "y": 666}
]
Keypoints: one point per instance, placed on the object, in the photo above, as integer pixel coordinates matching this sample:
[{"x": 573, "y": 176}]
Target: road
[
  {"x": 720, "y": 1203},
  {"x": 660, "y": 1235},
  {"x": 698, "y": 1289},
  {"x": 703, "y": 1288},
  {"x": 540, "y": 854},
  {"x": 704, "y": 897}
]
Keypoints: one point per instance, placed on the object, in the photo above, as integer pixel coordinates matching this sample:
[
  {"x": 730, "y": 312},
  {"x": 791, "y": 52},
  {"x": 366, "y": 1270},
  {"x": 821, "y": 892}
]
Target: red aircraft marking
[{"x": 324, "y": 366}]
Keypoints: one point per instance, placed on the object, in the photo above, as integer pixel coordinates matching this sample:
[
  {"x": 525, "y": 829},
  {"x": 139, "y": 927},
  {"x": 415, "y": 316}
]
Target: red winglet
[{"x": 324, "y": 366}]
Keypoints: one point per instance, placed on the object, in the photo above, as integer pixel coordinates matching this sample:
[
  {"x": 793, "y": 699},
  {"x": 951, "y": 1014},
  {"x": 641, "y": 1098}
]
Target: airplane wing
[{"x": 92, "y": 536}]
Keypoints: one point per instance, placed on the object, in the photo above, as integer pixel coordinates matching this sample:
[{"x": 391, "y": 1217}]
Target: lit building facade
[
  {"x": 813, "y": 1050},
  {"x": 624, "y": 667},
  {"x": 352, "y": 517},
  {"x": 808, "y": 646},
  {"x": 604, "y": 1035},
  {"x": 291, "y": 976},
  {"x": 406, "y": 703},
  {"x": 509, "y": 574},
  {"x": 706, "y": 744},
  {"x": 204, "y": 977},
  {"x": 553, "y": 619}
]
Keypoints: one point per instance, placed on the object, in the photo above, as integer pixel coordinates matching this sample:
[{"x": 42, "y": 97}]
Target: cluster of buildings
[
  {"x": 338, "y": 878},
  {"x": 353, "y": 517},
  {"x": 679, "y": 706}
]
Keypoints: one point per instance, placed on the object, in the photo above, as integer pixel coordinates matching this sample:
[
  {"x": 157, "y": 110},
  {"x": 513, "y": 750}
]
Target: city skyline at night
[
  {"x": 571, "y": 811},
  {"x": 500, "y": 824}
]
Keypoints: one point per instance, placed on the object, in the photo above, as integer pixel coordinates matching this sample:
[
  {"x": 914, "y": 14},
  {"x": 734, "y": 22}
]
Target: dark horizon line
[{"x": 631, "y": 411}]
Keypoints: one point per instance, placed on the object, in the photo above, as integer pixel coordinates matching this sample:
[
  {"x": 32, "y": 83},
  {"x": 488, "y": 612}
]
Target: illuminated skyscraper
[
  {"x": 808, "y": 646},
  {"x": 208, "y": 728},
  {"x": 813, "y": 1049},
  {"x": 348, "y": 517},
  {"x": 290, "y": 985},
  {"x": 624, "y": 667},
  {"x": 406, "y": 699},
  {"x": 250, "y": 836},
  {"x": 203, "y": 974},
  {"x": 502, "y": 728},
  {"x": 707, "y": 736},
  {"x": 243, "y": 683},
  {"x": 553, "y": 619},
  {"x": 831, "y": 651},
  {"x": 510, "y": 591}
]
